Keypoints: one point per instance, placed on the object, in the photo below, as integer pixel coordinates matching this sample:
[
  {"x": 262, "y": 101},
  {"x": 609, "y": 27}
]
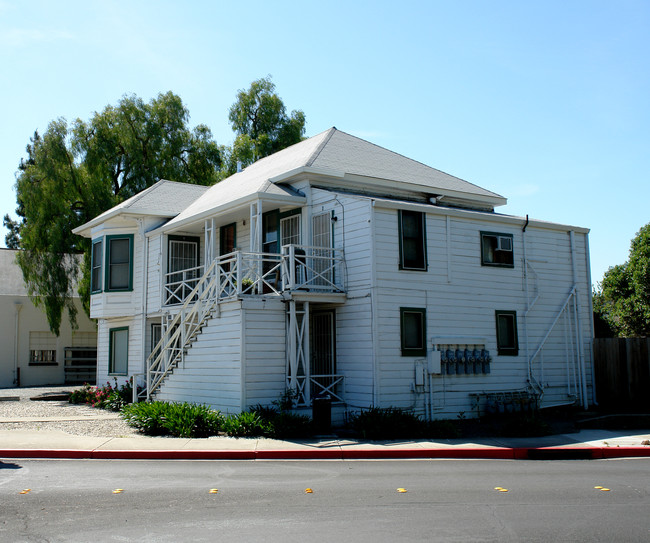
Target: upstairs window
[
  {"x": 507, "y": 341},
  {"x": 119, "y": 263},
  {"x": 96, "y": 267},
  {"x": 412, "y": 240},
  {"x": 497, "y": 250},
  {"x": 413, "y": 330}
]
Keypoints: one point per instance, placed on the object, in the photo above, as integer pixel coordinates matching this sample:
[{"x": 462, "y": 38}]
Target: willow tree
[
  {"x": 74, "y": 172},
  {"x": 261, "y": 124}
]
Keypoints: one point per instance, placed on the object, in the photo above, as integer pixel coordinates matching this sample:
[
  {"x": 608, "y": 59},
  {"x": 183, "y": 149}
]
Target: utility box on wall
[{"x": 434, "y": 363}]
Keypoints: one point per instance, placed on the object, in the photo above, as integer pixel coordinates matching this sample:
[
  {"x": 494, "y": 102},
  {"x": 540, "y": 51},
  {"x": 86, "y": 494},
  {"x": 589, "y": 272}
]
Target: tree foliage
[
  {"x": 261, "y": 124},
  {"x": 74, "y": 173},
  {"x": 623, "y": 296}
]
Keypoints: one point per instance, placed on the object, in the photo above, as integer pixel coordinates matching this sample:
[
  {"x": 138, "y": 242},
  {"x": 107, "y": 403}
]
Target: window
[
  {"x": 96, "y": 267},
  {"x": 156, "y": 335},
  {"x": 507, "y": 342},
  {"x": 119, "y": 263},
  {"x": 496, "y": 250},
  {"x": 412, "y": 240},
  {"x": 42, "y": 349},
  {"x": 413, "y": 325},
  {"x": 290, "y": 227},
  {"x": 270, "y": 223},
  {"x": 118, "y": 351}
]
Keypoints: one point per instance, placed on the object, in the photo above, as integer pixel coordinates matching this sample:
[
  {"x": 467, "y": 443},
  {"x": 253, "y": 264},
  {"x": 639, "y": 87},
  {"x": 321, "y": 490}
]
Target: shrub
[
  {"x": 290, "y": 425},
  {"x": 82, "y": 395},
  {"x": 175, "y": 419},
  {"x": 108, "y": 396},
  {"x": 386, "y": 423},
  {"x": 246, "y": 424}
]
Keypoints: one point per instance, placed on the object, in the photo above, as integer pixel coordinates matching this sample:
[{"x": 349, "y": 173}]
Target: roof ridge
[{"x": 321, "y": 146}]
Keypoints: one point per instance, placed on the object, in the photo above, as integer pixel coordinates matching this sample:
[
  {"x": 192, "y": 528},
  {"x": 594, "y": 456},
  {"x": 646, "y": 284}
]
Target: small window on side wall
[
  {"x": 413, "y": 330},
  {"x": 96, "y": 267},
  {"x": 412, "y": 240},
  {"x": 497, "y": 250},
  {"x": 507, "y": 340},
  {"x": 118, "y": 351}
]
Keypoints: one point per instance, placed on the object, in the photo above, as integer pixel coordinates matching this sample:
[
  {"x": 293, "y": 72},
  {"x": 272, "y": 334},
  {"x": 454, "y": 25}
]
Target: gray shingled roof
[
  {"x": 352, "y": 155},
  {"x": 163, "y": 199},
  {"x": 340, "y": 154}
]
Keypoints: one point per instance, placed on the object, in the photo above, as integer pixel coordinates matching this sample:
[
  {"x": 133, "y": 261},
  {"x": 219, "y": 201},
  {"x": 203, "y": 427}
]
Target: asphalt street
[{"x": 373, "y": 501}]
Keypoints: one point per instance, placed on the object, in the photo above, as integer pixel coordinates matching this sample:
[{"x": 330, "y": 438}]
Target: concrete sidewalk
[{"x": 586, "y": 444}]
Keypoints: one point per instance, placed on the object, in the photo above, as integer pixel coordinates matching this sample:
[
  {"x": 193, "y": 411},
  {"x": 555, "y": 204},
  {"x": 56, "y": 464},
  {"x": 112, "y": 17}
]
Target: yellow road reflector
[
  {"x": 604, "y": 489},
  {"x": 503, "y": 490},
  {"x": 498, "y": 488},
  {"x": 213, "y": 490},
  {"x": 402, "y": 490},
  {"x": 598, "y": 487},
  {"x": 308, "y": 491},
  {"x": 118, "y": 491},
  {"x": 25, "y": 491}
]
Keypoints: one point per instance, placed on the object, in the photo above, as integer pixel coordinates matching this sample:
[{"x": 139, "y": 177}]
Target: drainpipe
[
  {"x": 145, "y": 271},
  {"x": 17, "y": 306},
  {"x": 581, "y": 359}
]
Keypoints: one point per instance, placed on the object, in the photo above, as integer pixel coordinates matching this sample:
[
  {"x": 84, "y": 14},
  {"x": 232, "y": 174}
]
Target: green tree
[
  {"x": 261, "y": 125},
  {"x": 74, "y": 173},
  {"x": 623, "y": 297}
]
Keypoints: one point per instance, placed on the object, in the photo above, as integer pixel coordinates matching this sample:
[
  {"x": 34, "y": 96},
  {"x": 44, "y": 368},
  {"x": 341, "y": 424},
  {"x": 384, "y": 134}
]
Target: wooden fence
[{"x": 622, "y": 367}]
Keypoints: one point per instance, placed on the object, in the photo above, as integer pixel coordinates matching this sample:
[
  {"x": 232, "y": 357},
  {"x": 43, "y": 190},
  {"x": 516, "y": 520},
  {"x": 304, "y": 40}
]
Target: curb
[{"x": 493, "y": 453}]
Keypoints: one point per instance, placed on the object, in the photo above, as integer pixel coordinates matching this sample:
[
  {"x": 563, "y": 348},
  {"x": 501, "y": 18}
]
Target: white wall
[
  {"x": 461, "y": 296},
  {"x": 212, "y": 372}
]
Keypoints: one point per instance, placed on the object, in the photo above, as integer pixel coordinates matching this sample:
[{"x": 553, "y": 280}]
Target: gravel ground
[{"x": 100, "y": 423}]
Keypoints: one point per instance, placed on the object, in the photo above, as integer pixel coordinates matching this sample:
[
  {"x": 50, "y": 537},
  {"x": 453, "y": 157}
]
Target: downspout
[
  {"x": 145, "y": 272},
  {"x": 528, "y": 361},
  {"x": 17, "y": 306},
  {"x": 591, "y": 322},
  {"x": 581, "y": 359},
  {"x": 373, "y": 307}
]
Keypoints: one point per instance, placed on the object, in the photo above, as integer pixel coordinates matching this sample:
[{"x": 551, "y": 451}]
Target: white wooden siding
[
  {"x": 135, "y": 362},
  {"x": 461, "y": 297},
  {"x": 265, "y": 351},
  {"x": 211, "y": 373}
]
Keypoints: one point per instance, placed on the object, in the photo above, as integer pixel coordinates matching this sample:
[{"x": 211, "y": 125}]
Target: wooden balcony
[{"x": 298, "y": 270}]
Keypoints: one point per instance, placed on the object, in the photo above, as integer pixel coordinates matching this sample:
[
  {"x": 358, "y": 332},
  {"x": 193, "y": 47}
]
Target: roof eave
[
  {"x": 229, "y": 206},
  {"x": 84, "y": 229}
]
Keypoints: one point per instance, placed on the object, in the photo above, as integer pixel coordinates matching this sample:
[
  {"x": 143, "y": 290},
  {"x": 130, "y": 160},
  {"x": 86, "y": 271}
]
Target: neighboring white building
[
  {"x": 336, "y": 266},
  {"x": 32, "y": 355}
]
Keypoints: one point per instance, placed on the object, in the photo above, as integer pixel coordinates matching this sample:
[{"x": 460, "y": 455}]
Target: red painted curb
[
  {"x": 492, "y": 453},
  {"x": 293, "y": 454},
  {"x": 179, "y": 454},
  {"x": 46, "y": 453},
  {"x": 623, "y": 452}
]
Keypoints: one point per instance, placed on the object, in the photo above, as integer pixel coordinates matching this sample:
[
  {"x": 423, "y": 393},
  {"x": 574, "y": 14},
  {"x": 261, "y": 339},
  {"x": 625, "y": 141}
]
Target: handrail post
[
  {"x": 238, "y": 271},
  {"x": 292, "y": 267}
]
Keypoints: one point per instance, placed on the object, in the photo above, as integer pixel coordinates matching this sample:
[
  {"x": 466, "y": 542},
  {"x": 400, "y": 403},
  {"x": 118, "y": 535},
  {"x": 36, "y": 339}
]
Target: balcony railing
[
  {"x": 314, "y": 386},
  {"x": 298, "y": 268}
]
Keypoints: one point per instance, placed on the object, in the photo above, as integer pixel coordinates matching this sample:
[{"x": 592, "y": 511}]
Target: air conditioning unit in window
[{"x": 504, "y": 243}]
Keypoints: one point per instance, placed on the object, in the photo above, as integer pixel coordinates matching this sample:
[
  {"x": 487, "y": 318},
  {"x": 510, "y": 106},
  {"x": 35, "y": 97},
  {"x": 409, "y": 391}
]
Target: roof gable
[{"x": 162, "y": 199}]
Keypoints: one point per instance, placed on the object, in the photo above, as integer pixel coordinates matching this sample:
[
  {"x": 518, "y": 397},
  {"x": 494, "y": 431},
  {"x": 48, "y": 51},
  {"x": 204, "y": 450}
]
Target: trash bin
[{"x": 322, "y": 413}]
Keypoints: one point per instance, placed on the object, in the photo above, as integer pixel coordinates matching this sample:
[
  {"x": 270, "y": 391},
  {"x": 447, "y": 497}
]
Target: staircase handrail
[{"x": 174, "y": 331}]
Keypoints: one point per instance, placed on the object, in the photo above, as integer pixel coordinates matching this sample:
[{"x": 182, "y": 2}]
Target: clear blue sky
[{"x": 546, "y": 103}]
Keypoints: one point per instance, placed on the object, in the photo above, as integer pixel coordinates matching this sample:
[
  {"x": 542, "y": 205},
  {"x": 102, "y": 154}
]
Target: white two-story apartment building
[{"x": 339, "y": 267}]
